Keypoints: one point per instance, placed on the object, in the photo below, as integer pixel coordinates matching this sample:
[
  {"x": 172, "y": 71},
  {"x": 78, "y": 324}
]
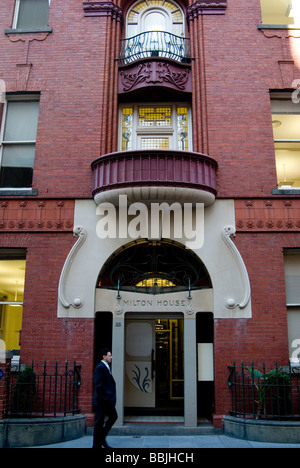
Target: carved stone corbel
[
  {"x": 231, "y": 303},
  {"x": 81, "y": 233}
]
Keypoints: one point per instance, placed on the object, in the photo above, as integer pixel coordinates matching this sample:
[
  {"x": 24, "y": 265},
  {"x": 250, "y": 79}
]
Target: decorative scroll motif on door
[{"x": 139, "y": 374}]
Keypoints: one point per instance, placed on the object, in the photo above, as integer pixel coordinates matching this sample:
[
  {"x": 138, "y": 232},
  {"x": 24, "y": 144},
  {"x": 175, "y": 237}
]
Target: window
[
  {"x": 153, "y": 268},
  {"x": 155, "y": 127},
  {"x": 12, "y": 282},
  {"x": 280, "y": 12},
  {"x": 18, "y": 142},
  {"x": 292, "y": 281},
  {"x": 155, "y": 15},
  {"x": 31, "y": 14},
  {"x": 286, "y": 130},
  {"x": 155, "y": 28}
]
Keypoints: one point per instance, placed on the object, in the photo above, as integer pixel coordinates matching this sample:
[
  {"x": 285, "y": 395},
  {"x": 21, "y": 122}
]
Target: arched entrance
[{"x": 155, "y": 290}]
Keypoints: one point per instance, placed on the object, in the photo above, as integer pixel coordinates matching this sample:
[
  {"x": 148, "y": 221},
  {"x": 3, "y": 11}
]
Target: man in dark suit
[{"x": 104, "y": 399}]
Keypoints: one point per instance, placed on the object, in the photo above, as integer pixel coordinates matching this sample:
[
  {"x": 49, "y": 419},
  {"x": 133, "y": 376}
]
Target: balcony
[
  {"x": 155, "y": 44},
  {"x": 150, "y": 175}
]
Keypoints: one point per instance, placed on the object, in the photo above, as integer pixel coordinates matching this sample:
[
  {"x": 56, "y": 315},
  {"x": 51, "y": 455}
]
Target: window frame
[
  {"x": 293, "y": 308},
  {"x": 277, "y": 25},
  {"x": 152, "y": 8},
  {"x": 34, "y": 97},
  {"x": 16, "y": 19},
  {"x": 284, "y": 97},
  {"x": 138, "y": 132}
]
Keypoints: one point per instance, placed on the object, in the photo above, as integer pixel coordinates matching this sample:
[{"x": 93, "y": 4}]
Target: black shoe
[{"x": 105, "y": 445}]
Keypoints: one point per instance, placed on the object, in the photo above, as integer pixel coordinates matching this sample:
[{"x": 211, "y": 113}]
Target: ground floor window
[
  {"x": 292, "y": 281},
  {"x": 12, "y": 282}
]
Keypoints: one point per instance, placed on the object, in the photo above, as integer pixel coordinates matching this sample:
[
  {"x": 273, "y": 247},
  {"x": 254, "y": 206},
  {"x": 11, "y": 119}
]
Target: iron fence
[
  {"x": 155, "y": 44},
  {"x": 42, "y": 390},
  {"x": 265, "y": 393}
]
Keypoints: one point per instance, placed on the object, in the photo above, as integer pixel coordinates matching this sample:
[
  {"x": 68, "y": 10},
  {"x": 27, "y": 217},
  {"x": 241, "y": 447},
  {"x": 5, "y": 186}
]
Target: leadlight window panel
[
  {"x": 155, "y": 143},
  {"x": 127, "y": 129},
  {"x": 155, "y": 117},
  {"x": 18, "y": 145},
  {"x": 168, "y": 123},
  {"x": 182, "y": 128},
  {"x": 32, "y": 14},
  {"x": 155, "y": 282}
]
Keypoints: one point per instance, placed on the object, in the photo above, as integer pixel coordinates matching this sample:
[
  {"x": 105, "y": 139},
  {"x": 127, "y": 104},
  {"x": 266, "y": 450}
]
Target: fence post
[
  {"x": 66, "y": 389},
  {"x": 3, "y": 389}
]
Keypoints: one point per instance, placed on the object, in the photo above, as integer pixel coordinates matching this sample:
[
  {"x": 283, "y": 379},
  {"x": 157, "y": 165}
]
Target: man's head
[{"x": 105, "y": 355}]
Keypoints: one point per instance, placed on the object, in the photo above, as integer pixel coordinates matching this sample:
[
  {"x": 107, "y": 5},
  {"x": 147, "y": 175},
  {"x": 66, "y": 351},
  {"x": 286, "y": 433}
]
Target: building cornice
[
  {"x": 208, "y": 7},
  {"x": 103, "y": 8}
]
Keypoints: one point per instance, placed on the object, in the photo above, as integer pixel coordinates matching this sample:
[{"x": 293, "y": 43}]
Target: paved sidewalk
[{"x": 171, "y": 442}]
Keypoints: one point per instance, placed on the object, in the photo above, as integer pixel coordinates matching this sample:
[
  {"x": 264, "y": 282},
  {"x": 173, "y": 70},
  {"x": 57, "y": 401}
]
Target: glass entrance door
[
  {"x": 154, "y": 363},
  {"x": 169, "y": 364}
]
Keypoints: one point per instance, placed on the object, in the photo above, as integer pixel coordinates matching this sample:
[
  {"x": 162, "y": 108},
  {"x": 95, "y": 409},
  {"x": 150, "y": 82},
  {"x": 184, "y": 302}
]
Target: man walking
[{"x": 104, "y": 399}]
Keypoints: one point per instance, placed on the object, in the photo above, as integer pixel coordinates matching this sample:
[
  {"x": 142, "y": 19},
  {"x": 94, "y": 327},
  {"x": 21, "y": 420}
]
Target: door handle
[{"x": 152, "y": 364}]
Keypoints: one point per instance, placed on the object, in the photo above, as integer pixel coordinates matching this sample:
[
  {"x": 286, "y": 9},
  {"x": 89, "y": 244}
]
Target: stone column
[
  {"x": 118, "y": 364},
  {"x": 190, "y": 372}
]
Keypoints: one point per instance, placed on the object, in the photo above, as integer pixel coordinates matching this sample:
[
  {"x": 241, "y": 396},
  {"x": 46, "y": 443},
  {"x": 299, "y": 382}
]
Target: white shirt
[{"x": 106, "y": 366}]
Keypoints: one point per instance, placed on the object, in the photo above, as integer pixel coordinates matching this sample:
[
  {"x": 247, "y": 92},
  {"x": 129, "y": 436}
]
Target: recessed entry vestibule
[{"x": 162, "y": 361}]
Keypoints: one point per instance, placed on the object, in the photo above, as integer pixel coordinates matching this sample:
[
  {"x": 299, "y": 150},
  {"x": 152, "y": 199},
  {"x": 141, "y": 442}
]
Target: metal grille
[
  {"x": 43, "y": 390},
  {"x": 265, "y": 393}
]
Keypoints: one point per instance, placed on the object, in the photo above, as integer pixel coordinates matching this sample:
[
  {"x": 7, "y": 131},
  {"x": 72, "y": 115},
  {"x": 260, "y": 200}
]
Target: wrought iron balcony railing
[{"x": 155, "y": 44}]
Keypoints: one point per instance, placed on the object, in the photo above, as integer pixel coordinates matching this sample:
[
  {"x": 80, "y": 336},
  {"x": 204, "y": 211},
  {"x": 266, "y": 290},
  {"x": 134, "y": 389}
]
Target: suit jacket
[{"x": 105, "y": 386}]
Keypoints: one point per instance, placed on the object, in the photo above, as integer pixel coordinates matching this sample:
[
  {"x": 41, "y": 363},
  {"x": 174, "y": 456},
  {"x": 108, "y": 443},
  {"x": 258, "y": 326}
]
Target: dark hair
[{"x": 104, "y": 352}]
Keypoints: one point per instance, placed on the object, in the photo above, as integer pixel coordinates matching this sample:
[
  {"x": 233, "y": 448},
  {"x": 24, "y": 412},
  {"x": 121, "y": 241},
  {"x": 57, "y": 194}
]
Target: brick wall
[
  {"x": 265, "y": 336},
  {"x": 239, "y": 66}
]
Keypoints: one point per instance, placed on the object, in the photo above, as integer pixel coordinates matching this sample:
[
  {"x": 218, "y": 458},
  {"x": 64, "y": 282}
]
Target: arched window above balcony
[
  {"x": 155, "y": 28},
  {"x": 155, "y": 15}
]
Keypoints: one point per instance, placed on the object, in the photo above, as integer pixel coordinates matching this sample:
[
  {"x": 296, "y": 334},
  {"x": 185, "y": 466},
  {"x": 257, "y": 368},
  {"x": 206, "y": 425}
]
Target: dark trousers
[{"x": 101, "y": 429}]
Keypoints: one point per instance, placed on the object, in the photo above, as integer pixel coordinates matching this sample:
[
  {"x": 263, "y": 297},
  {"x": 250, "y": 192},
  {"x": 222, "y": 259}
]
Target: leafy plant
[
  {"x": 263, "y": 382},
  {"x": 24, "y": 391}
]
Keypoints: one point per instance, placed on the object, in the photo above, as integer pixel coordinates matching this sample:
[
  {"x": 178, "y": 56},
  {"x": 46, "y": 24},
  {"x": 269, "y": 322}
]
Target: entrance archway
[
  {"x": 155, "y": 290},
  {"x": 154, "y": 267}
]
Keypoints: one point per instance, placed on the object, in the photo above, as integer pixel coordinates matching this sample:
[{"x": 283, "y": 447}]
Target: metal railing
[
  {"x": 155, "y": 44},
  {"x": 265, "y": 393},
  {"x": 42, "y": 390}
]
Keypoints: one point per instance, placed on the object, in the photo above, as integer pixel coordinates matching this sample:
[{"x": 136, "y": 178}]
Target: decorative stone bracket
[
  {"x": 231, "y": 303},
  {"x": 81, "y": 233}
]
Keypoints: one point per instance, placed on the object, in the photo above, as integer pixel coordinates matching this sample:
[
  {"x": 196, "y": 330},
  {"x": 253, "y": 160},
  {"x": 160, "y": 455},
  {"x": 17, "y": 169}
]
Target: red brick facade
[{"x": 234, "y": 67}]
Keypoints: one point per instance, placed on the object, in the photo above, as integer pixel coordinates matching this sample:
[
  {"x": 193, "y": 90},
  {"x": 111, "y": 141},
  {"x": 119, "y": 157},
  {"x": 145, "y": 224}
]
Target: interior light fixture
[
  {"x": 290, "y": 11},
  {"x": 293, "y": 10},
  {"x": 16, "y": 303},
  {"x": 276, "y": 123}
]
